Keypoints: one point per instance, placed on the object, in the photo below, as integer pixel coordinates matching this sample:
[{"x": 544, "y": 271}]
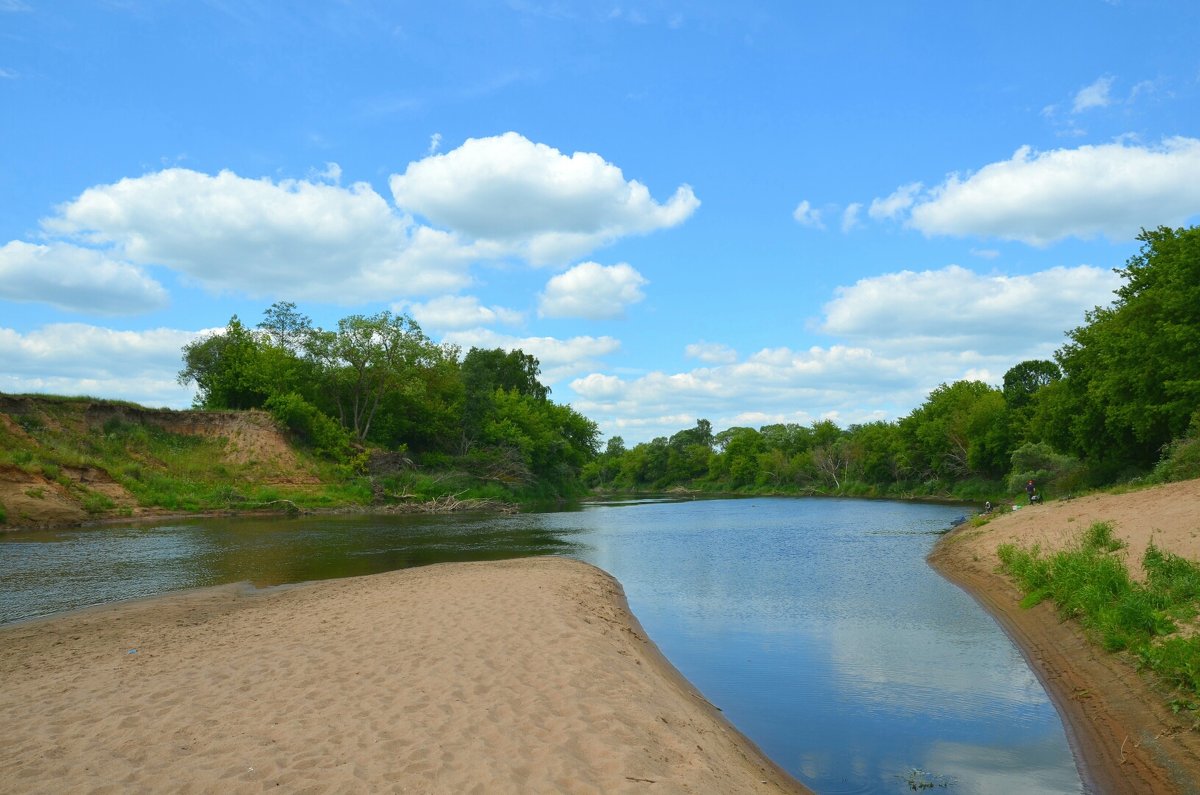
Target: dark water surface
[{"x": 815, "y": 624}]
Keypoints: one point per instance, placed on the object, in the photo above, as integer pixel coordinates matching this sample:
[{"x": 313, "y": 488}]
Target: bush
[
  {"x": 1049, "y": 470},
  {"x": 310, "y": 424},
  {"x": 1181, "y": 458}
]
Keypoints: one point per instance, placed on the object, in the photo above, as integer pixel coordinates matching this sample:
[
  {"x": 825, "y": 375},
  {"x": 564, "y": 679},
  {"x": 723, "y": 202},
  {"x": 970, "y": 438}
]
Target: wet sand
[
  {"x": 1117, "y": 720},
  {"x": 517, "y": 676}
]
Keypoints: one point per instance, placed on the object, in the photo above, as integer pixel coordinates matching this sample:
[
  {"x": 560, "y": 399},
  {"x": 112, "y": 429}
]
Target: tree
[
  {"x": 486, "y": 371},
  {"x": 286, "y": 327},
  {"x": 366, "y": 358},
  {"x": 1133, "y": 370},
  {"x": 226, "y": 367},
  {"x": 958, "y": 431},
  {"x": 1026, "y": 378}
]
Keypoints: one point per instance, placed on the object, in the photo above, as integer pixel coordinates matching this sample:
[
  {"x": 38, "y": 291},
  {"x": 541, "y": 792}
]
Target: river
[{"x": 814, "y": 624}]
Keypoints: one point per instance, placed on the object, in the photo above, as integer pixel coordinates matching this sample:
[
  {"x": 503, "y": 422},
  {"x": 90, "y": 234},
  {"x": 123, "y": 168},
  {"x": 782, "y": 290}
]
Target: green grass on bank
[
  {"x": 1153, "y": 621},
  {"x": 186, "y": 473}
]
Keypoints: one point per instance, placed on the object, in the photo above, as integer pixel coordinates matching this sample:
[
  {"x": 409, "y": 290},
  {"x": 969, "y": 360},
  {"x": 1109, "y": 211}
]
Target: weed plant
[{"x": 1091, "y": 584}]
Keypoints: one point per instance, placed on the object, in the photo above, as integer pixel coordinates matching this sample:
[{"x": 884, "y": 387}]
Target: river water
[{"x": 814, "y": 624}]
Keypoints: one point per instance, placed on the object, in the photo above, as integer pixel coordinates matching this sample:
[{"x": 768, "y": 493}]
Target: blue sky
[{"x": 751, "y": 213}]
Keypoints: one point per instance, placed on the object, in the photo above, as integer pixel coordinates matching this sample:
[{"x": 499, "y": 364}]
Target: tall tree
[
  {"x": 367, "y": 357},
  {"x": 1133, "y": 371},
  {"x": 226, "y": 367},
  {"x": 1024, "y": 379}
]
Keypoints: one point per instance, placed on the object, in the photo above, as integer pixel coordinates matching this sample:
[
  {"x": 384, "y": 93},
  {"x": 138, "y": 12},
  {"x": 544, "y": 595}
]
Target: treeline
[
  {"x": 378, "y": 383},
  {"x": 1121, "y": 400}
]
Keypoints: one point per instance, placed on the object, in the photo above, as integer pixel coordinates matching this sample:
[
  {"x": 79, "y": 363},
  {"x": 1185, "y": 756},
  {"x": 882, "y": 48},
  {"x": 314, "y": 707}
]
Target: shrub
[
  {"x": 1050, "y": 470},
  {"x": 310, "y": 424},
  {"x": 1181, "y": 458}
]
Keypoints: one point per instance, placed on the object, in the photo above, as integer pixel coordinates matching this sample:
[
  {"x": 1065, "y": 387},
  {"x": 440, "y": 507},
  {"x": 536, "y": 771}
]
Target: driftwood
[{"x": 450, "y": 503}]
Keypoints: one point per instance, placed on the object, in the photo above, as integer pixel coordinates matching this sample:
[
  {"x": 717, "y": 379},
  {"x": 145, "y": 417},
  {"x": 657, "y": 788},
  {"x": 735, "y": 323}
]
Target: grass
[{"x": 1149, "y": 620}]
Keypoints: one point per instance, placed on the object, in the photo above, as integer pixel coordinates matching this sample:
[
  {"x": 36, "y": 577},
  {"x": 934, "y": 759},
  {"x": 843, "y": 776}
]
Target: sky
[{"x": 750, "y": 212}]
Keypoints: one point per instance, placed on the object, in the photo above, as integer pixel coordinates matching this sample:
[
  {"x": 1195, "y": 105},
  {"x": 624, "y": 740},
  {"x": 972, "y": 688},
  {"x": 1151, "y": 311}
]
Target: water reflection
[
  {"x": 819, "y": 629},
  {"x": 815, "y": 624}
]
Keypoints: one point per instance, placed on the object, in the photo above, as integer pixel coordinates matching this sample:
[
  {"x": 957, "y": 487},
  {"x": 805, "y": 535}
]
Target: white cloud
[
  {"x": 76, "y": 279},
  {"x": 331, "y": 174},
  {"x": 1095, "y": 95},
  {"x": 314, "y": 239},
  {"x": 460, "y": 312},
  {"x": 850, "y": 220},
  {"x": 958, "y": 309},
  {"x": 435, "y": 143},
  {"x": 899, "y": 202},
  {"x": 1041, "y": 197},
  {"x": 806, "y": 215},
  {"x": 898, "y": 336},
  {"x": 772, "y": 385},
  {"x": 532, "y": 200},
  {"x": 80, "y": 359},
  {"x": 227, "y": 232},
  {"x": 711, "y": 352},
  {"x": 560, "y": 358},
  {"x": 593, "y": 291}
]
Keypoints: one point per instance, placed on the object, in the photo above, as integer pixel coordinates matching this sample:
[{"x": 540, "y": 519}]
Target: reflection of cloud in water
[
  {"x": 922, "y": 670},
  {"x": 1038, "y": 767}
]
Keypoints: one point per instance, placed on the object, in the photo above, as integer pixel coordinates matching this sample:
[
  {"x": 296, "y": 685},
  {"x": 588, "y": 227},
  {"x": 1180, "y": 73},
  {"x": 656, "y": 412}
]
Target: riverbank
[
  {"x": 526, "y": 675},
  {"x": 1123, "y": 733}
]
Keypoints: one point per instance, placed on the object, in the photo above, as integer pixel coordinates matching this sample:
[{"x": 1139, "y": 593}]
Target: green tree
[
  {"x": 484, "y": 372},
  {"x": 227, "y": 369},
  {"x": 957, "y": 432},
  {"x": 1023, "y": 380},
  {"x": 365, "y": 359},
  {"x": 1133, "y": 370}
]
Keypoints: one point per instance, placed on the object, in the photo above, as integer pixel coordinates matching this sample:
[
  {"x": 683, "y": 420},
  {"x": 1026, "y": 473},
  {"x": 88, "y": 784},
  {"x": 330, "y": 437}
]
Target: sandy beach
[
  {"x": 517, "y": 676},
  {"x": 1117, "y": 721}
]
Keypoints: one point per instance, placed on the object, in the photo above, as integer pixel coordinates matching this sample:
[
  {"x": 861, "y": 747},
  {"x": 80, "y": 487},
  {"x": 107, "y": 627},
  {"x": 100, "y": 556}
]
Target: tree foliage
[
  {"x": 377, "y": 380},
  {"x": 1121, "y": 398}
]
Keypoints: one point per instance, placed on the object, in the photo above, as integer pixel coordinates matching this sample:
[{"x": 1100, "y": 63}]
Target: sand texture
[
  {"x": 517, "y": 676},
  {"x": 1117, "y": 719}
]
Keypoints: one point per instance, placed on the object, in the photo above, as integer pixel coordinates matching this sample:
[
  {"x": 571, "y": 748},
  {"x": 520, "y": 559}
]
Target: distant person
[{"x": 1030, "y": 490}]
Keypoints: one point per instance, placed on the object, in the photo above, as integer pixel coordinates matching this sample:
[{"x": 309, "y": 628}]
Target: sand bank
[
  {"x": 1120, "y": 727},
  {"x": 517, "y": 676}
]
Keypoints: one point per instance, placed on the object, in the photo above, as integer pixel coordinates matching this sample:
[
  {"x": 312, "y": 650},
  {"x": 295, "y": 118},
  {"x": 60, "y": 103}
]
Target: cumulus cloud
[
  {"x": 560, "y": 358},
  {"x": 772, "y": 385},
  {"x": 81, "y": 359},
  {"x": 593, "y": 291},
  {"x": 449, "y": 312},
  {"x": 533, "y": 200},
  {"x": 76, "y": 279},
  {"x": 900, "y": 200},
  {"x": 890, "y": 351},
  {"x": 1041, "y": 197},
  {"x": 986, "y": 314},
  {"x": 711, "y": 352},
  {"x": 807, "y": 215},
  {"x": 228, "y": 232},
  {"x": 1095, "y": 95}
]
